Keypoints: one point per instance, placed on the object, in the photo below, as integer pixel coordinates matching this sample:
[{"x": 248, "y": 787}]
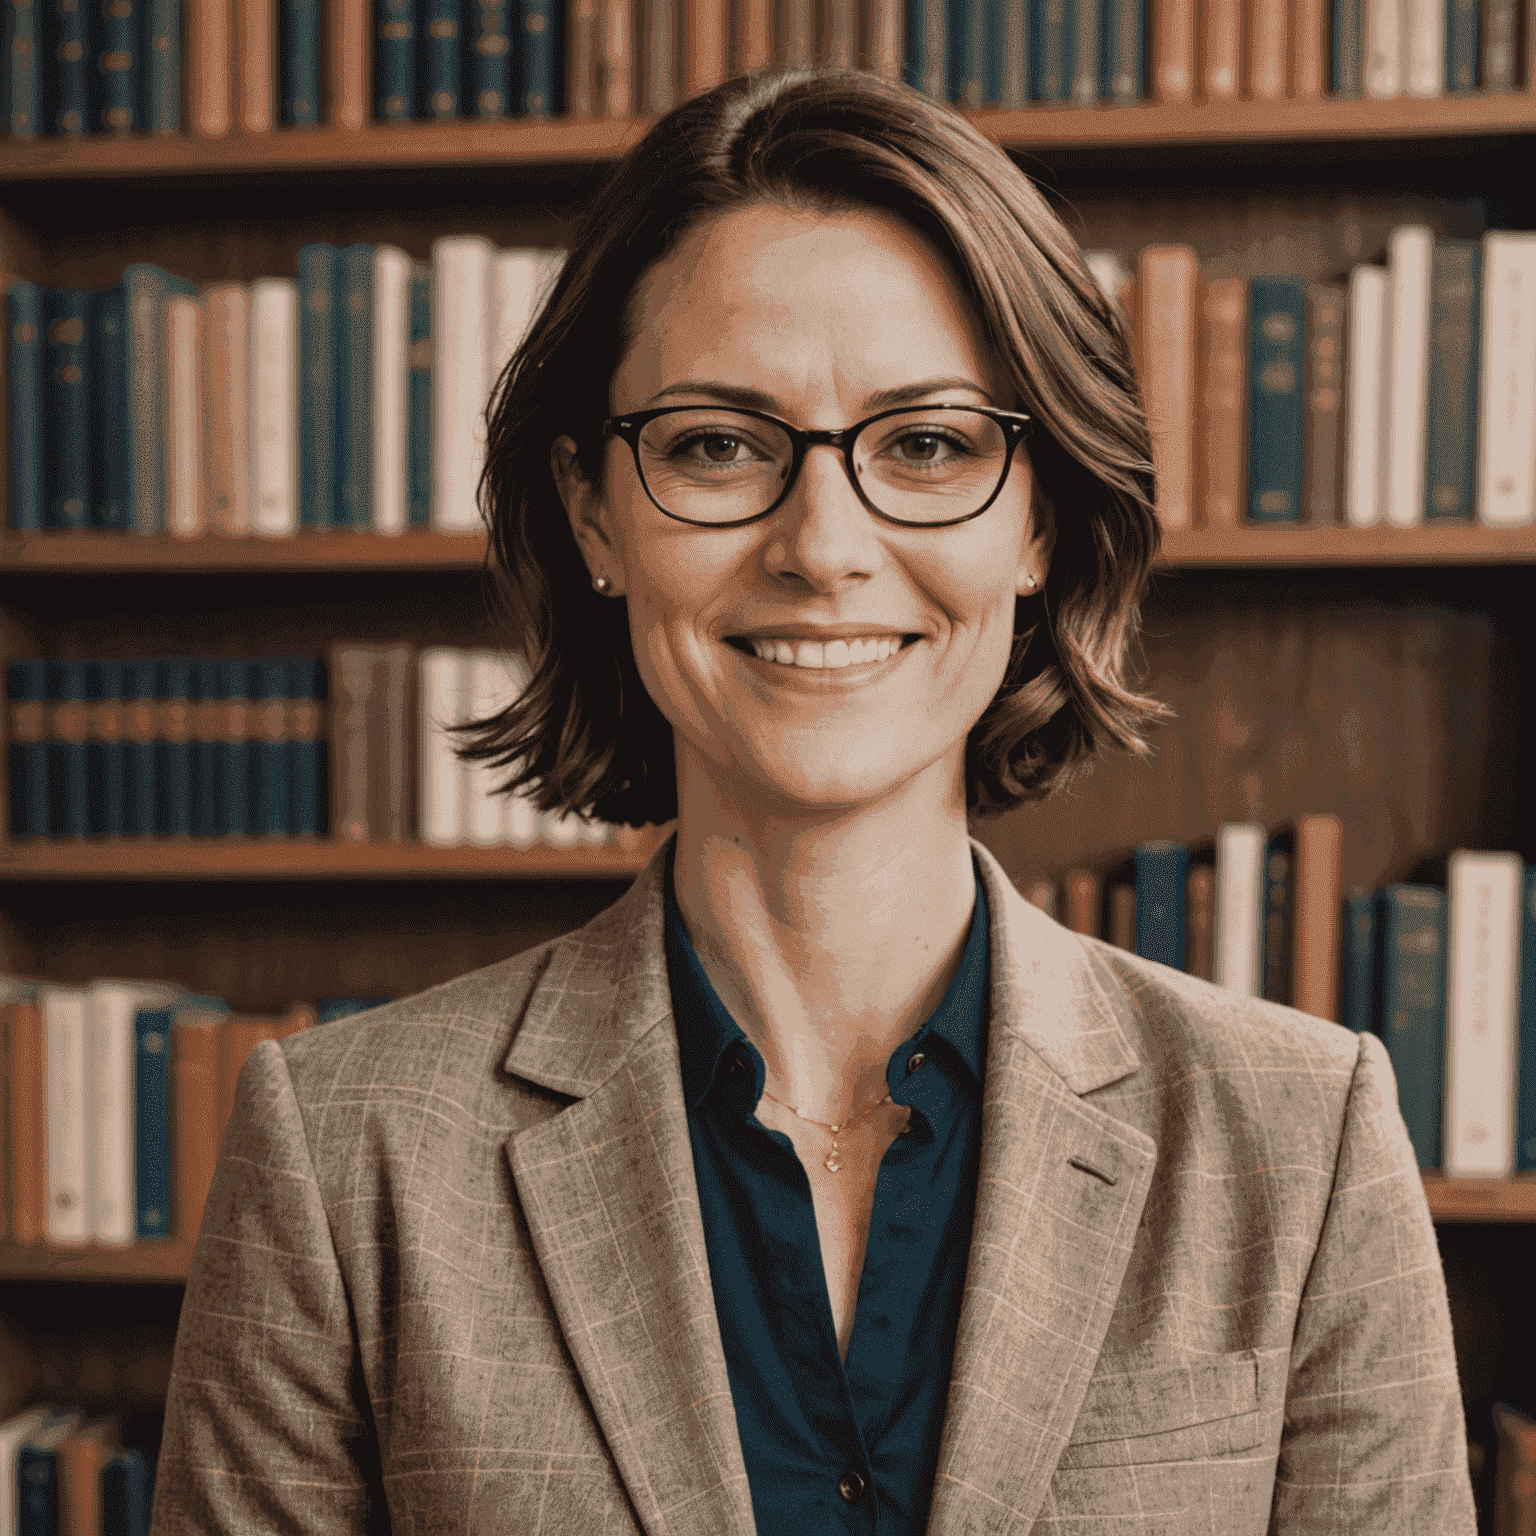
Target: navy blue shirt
[{"x": 833, "y": 1446}]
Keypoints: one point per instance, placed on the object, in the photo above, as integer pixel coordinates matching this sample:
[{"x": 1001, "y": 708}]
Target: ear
[
  {"x": 587, "y": 513},
  {"x": 1039, "y": 541}
]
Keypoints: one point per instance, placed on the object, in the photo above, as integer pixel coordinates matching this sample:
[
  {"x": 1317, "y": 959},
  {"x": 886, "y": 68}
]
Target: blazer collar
[{"x": 608, "y": 1192}]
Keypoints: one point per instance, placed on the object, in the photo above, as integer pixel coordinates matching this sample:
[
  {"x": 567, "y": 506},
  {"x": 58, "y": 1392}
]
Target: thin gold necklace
[{"x": 831, "y": 1164}]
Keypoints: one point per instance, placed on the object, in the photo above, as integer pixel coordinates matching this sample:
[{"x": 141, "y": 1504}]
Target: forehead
[{"x": 790, "y": 295}]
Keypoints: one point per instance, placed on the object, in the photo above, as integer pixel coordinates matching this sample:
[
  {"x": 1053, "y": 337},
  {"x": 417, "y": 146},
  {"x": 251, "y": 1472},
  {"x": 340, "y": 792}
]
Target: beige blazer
[{"x": 452, "y": 1275}]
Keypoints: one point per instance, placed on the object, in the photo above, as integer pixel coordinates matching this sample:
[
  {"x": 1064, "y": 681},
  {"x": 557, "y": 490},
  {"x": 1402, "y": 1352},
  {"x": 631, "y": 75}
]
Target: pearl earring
[
  {"x": 1029, "y": 581},
  {"x": 602, "y": 584}
]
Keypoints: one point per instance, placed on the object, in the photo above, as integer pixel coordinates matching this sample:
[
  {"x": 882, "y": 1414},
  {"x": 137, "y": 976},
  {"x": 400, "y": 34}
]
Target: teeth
[
  {"x": 808, "y": 654},
  {"x": 834, "y": 654}
]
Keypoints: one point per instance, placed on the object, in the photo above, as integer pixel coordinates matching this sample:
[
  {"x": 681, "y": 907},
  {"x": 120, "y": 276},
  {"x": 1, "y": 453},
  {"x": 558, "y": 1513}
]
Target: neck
[{"x": 830, "y": 936}]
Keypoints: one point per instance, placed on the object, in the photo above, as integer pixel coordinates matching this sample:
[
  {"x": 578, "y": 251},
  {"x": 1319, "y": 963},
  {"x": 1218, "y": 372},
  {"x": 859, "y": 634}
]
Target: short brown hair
[{"x": 585, "y": 736}]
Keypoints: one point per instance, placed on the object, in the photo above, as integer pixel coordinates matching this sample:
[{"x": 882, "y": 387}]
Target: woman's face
[{"x": 822, "y": 318}]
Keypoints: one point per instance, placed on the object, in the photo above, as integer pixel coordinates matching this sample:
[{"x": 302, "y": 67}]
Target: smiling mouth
[{"x": 815, "y": 655}]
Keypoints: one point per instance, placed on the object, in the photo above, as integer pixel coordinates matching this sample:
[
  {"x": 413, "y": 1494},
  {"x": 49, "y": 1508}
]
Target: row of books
[
  {"x": 1405, "y": 396},
  {"x": 64, "y": 1472},
  {"x": 1442, "y": 968},
  {"x": 116, "y": 1098},
  {"x": 351, "y": 397}
]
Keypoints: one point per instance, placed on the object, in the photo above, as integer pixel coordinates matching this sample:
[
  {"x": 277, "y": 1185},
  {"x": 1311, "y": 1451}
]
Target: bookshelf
[{"x": 1320, "y": 607}]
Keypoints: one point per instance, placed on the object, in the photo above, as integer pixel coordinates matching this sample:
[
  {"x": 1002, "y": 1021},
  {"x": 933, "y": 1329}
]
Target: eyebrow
[{"x": 756, "y": 399}]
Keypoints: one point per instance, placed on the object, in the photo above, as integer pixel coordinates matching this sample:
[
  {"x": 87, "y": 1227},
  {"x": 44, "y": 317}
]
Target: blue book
[
  {"x": 353, "y": 505},
  {"x": 207, "y": 750},
  {"x": 232, "y": 808},
  {"x": 104, "y": 749},
  {"x": 1277, "y": 310},
  {"x": 329, "y": 1009},
  {"x": 1345, "y": 71},
  {"x": 994, "y": 45},
  {"x": 421, "y": 395},
  {"x": 272, "y": 800},
  {"x": 67, "y": 53},
  {"x": 140, "y": 716},
  {"x": 488, "y": 90},
  {"x": 1053, "y": 32},
  {"x": 1525, "y": 1086},
  {"x": 967, "y": 53},
  {"x": 298, "y": 73},
  {"x": 1162, "y": 873},
  {"x": 109, "y": 404},
  {"x": 124, "y": 1495},
  {"x": 394, "y": 60},
  {"x": 317, "y": 385},
  {"x": 1450, "y": 447},
  {"x": 152, "y": 1120},
  {"x": 1410, "y": 983},
  {"x": 1122, "y": 49},
  {"x": 1461, "y": 32},
  {"x": 67, "y": 453},
  {"x": 37, "y": 1485},
  {"x": 68, "y": 795},
  {"x": 926, "y": 58},
  {"x": 118, "y": 105},
  {"x": 173, "y": 748},
  {"x": 26, "y": 687},
  {"x": 1357, "y": 963},
  {"x": 161, "y": 112},
  {"x": 146, "y": 289},
  {"x": 24, "y": 406},
  {"x": 1279, "y": 883},
  {"x": 539, "y": 71},
  {"x": 306, "y": 745},
  {"x": 23, "y": 48},
  {"x": 440, "y": 58}
]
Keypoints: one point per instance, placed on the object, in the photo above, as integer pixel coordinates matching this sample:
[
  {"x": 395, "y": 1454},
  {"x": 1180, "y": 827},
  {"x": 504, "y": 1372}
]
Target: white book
[
  {"x": 391, "y": 390},
  {"x": 489, "y": 686},
  {"x": 461, "y": 375},
  {"x": 1109, "y": 272},
  {"x": 110, "y": 1007},
  {"x": 275, "y": 407},
  {"x": 1385, "y": 48},
  {"x": 1482, "y": 969},
  {"x": 184, "y": 516},
  {"x": 443, "y": 777},
  {"x": 1238, "y": 939},
  {"x": 520, "y": 819},
  {"x": 1506, "y": 427},
  {"x": 45, "y": 1432},
  {"x": 520, "y": 282},
  {"x": 14, "y": 1433},
  {"x": 1362, "y": 396},
  {"x": 1405, "y": 391},
  {"x": 561, "y": 829},
  {"x": 69, "y": 1139},
  {"x": 1424, "y": 25},
  {"x": 596, "y": 834}
]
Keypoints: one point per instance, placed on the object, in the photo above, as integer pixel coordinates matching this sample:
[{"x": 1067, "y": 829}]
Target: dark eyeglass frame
[{"x": 628, "y": 429}]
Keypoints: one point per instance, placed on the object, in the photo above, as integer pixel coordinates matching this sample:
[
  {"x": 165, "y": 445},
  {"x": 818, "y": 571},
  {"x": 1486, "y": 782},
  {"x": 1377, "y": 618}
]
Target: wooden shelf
[
  {"x": 426, "y": 146},
  {"x": 1232, "y": 548},
  {"x": 1481, "y": 1200},
  {"x": 238, "y": 859}
]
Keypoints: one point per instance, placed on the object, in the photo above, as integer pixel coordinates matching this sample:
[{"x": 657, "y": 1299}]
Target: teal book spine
[
  {"x": 147, "y": 288},
  {"x": 26, "y": 687},
  {"x": 1461, "y": 24},
  {"x": 1122, "y": 45},
  {"x": 23, "y": 50},
  {"x": 173, "y": 747},
  {"x": 205, "y": 749},
  {"x": 353, "y": 505},
  {"x": 299, "y": 63},
  {"x": 124, "y": 1495},
  {"x": 232, "y": 813},
  {"x": 925, "y": 59},
  {"x": 490, "y": 85},
  {"x": 1053, "y": 33},
  {"x": 1455, "y": 318},
  {"x": 994, "y": 50},
  {"x": 421, "y": 395},
  {"x": 317, "y": 385},
  {"x": 152, "y": 1121},
  {"x": 272, "y": 814},
  {"x": 1279, "y": 879},
  {"x": 119, "y": 83},
  {"x": 1345, "y": 74},
  {"x": 24, "y": 407},
  {"x": 394, "y": 60},
  {"x": 1162, "y": 874},
  {"x": 109, "y": 408},
  {"x": 67, "y": 765},
  {"x": 104, "y": 748},
  {"x": 141, "y": 721},
  {"x": 539, "y": 64},
  {"x": 440, "y": 63},
  {"x": 306, "y": 745},
  {"x": 967, "y": 59},
  {"x": 1525, "y": 1086},
  {"x": 67, "y": 55},
  {"x": 37, "y": 1492},
  {"x": 1410, "y": 979},
  {"x": 1357, "y": 963},
  {"x": 66, "y": 407},
  {"x": 1277, "y": 316},
  {"x": 162, "y": 66}
]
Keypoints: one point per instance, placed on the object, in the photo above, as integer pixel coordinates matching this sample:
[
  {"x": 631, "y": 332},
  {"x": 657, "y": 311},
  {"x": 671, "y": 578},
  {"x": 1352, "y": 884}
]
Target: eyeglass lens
[{"x": 931, "y": 465}]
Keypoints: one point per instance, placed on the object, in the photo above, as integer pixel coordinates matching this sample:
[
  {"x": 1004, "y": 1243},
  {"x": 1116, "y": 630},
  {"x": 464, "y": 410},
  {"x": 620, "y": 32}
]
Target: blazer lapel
[
  {"x": 607, "y": 1188},
  {"x": 1062, "y": 1185}
]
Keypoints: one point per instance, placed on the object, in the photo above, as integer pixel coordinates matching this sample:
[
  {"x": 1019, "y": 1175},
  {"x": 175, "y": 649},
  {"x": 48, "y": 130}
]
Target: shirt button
[
  {"x": 851, "y": 1486},
  {"x": 737, "y": 1069},
  {"x": 915, "y": 1060}
]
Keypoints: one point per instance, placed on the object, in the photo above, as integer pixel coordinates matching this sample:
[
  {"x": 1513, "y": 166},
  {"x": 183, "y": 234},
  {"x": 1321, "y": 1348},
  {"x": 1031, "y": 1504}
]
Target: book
[
  {"x": 233, "y": 815},
  {"x": 1501, "y": 20},
  {"x": 70, "y": 1144},
  {"x": 1083, "y": 89},
  {"x": 394, "y": 61},
  {"x": 1122, "y": 72},
  {"x": 461, "y": 274},
  {"x": 1514, "y": 1488},
  {"x": 795, "y": 39},
  {"x": 1506, "y": 428},
  {"x": 66, "y": 72},
  {"x": 391, "y": 739},
  {"x": 195, "y": 1130},
  {"x": 1175, "y": 27},
  {"x": 706, "y": 25},
  {"x": 1039, "y": 893},
  {"x": 106, "y": 810},
  {"x": 210, "y": 53},
  {"x": 1276, "y": 411},
  {"x": 304, "y": 744},
  {"x": 24, "y": 407},
  {"x": 125, "y": 1499},
  {"x": 1082, "y": 898},
  {"x": 485, "y": 687},
  {"x": 1200, "y": 919},
  {"x": 1309, "y": 49},
  {"x": 1424, "y": 37},
  {"x": 1269, "y": 43},
  {"x": 1162, "y": 870},
  {"x": 162, "y": 69},
  {"x": 184, "y": 515},
  {"x": 1461, "y": 47},
  {"x": 272, "y": 812},
  {"x": 28, "y": 720},
  {"x": 68, "y": 797},
  {"x": 351, "y": 671},
  {"x": 148, "y": 290},
  {"x": 1322, "y": 447},
  {"x": 1410, "y": 983},
  {"x": 538, "y": 72},
  {"x": 80, "y": 1456},
  {"x": 1279, "y": 914},
  {"x": 390, "y": 428},
  {"x": 1410, "y": 252},
  {"x": 348, "y": 26},
  {"x": 173, "y": 747},
  {"x": 1223, "y": 406},
  {"x": 255, "y": 23},
  {"x": 23, "y": 50},
  {"x": 318, "y": 357},
  {"x": 67, "y": 453},
  {"x": 1363, "y": 396},
  {"x": 25, "y": 1115},
  {"x": 1357, "y": 962},
  {"x": 443, "y": 776},
  {"x": 1384, "y": 48},
  {"x": 1484, "y": 893},
  {"x": 1120, "y": 914},
  {"x": 109, "y": 403},
  {"x": 521, "y": 823},
  {"x": 1316, "y": 891},
  {"x": 274, "y": 430},
  {"x": 1168, "y": 281},
  {"x": 1240, "y": 890},
  {"x": 1450, "y": 449},
  {"x": 239, "y": 1035},
  {"x": 15, "y": 1431},
  {"x": 1221, "y": 49},
  {"x": 37, "y": 1488},
  {"x": 1346, "y": 71},
  {"x": 616, "y": 93},
  {"x": 227, "y": 407},
  {"x": 1013, "y": 52},
  {"x": 420, "y": 395},
  {"x": 298, "y": 53},
  {"x": 926, "y": 56},
  {"x": 152, "y": 1122},
  {"x": 206, "y": 748},
  {"x": 352, "y": 506},
  {"x": 1525, "y": 1049},
  {"x": 140, "y": 726},
  {"x": 582, "y": 59}
]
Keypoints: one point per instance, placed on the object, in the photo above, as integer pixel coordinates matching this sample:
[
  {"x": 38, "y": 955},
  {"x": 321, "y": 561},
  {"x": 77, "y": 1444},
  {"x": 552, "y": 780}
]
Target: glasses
[{"x": 927, "y": 466}]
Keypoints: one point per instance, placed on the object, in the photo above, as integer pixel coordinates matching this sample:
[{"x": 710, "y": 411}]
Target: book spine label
[
  {"x": 183, "y": 452},
  {"x": 1277, "y": 320},
  {"x": 440, "y": 72},
  {"x": 1322, "y": 452},
  {"x": 305, "y": 745},
  {"x": 1346, "y": 76},
  {"x": 390, "y": 427},
  {"x": 24, "y": 407},
  {"x": 255, "y": 75},
  {"x": 490, "y": 59},
  {"x": 1168, "y": 282},
  {"x": 210, "y": 52},
  {"x": 420, "y": 388},
  {"x": 1500, "y": 24},
  {"x": 299, "y": 63},
  {"x": 1506, "y": 453},
  {"x": 1357, "y": 979},
  {"x": 173, "y": 748},
  {"x": 66, "y": 749},
  {"x": 354, "y": 387},
  {"x": 162, "y": 112},
  {"x": 394, "y": 61},
  {"x": 1410, "y": 981},
  {"x": 317, "y": 386},
  {"x": 1162, "y": 875},
  {"x": 68, "y": 55},
  {"x": 1450, "y": 454},
  {"x": 1221, "y": 53},
  {"x": 70, "y": 1141},
  {"x": 1461, "y": 46},
  {"x": 274, "y": 406},
  {"x": 1383, "y": 21},
  {"x": 1525, "y": 1089},
  {"x": 1424, "y": 76},
  {"x": 110, "y": 437},
  {"x": 1406, "y": 383},
  {"x": 272, "y": 814},
  {"x": 538, "y": 75},
  {"x": 24, "y": 49}
]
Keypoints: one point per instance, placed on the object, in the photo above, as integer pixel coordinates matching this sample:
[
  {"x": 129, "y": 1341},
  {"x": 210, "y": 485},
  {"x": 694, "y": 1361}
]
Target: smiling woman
[{"x": 821, "y": 1183}]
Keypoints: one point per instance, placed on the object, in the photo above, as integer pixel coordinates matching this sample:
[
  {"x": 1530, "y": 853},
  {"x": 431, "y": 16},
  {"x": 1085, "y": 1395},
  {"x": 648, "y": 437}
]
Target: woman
[{"x": 821, "y": 1183}]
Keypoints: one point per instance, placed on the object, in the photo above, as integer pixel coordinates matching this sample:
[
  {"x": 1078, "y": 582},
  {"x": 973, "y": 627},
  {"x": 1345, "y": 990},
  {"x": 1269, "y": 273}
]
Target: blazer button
[
  {"x": 915, "y": 1060},
  {"x": 851, "y": 1486}
]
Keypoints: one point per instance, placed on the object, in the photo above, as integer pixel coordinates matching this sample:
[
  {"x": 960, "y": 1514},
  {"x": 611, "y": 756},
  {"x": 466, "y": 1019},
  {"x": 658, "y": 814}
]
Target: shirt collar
[{"x": 706, "y": 1030}]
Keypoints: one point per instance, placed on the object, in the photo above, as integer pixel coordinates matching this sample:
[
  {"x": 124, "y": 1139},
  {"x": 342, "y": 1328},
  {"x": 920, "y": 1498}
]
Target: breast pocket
[{"x": 1169, "y": 1413}]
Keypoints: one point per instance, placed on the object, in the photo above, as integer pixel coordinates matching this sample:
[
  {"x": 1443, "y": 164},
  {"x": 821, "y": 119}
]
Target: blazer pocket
[{"x": 1169, "y": 1413}]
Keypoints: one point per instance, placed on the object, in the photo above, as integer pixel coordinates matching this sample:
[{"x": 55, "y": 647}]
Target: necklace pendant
[{"x": 832, "y": 1164}]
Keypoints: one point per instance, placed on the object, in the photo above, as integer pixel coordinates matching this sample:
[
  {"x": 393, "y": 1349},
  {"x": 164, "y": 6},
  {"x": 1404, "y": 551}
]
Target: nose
[{"x": 823, "y": 536}]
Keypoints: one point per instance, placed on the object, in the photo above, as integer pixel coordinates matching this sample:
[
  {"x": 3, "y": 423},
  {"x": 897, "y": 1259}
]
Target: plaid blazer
[{"x": 452, "y": 1275}]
